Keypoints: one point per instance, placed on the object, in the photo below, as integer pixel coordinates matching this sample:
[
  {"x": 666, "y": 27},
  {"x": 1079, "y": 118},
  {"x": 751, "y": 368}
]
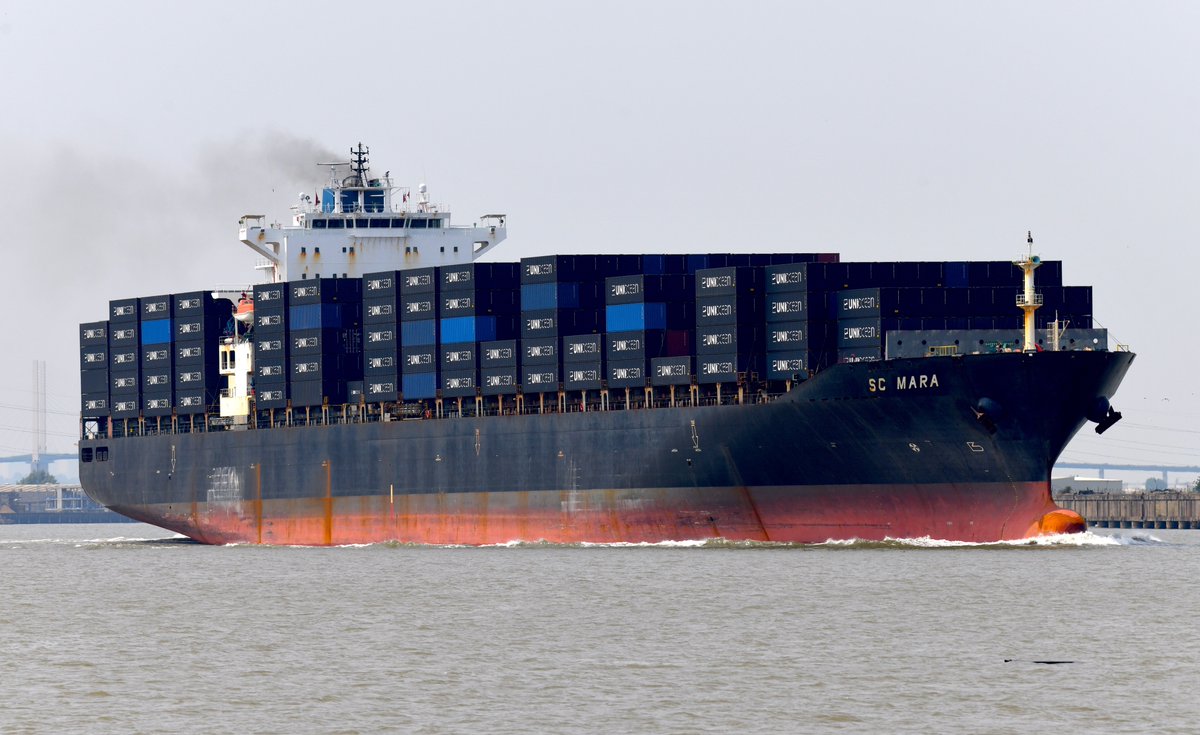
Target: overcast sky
[{"x": 134, "y": 134}]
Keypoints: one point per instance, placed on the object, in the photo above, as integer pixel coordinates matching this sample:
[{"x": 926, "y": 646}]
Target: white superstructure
[{"x": 359, "y": 224}]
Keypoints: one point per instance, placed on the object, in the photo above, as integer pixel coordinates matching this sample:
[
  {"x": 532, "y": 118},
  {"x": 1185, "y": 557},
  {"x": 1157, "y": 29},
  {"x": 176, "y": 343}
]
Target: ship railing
[{"x": 1036, "y": 300}]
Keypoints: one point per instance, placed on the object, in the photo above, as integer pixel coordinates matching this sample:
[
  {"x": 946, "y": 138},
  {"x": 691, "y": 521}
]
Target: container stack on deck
[
  {"x": 324, "y": 328},
  {"x": 271, "y": 364},
  {"x": 124, "y": 367},
  {"x": 381, "y": 337},
  {"x": 198, "y": 321},
  {"x": 93, "y": 368},
  {"x": 477, "y": 304},
  {"x": 556, "y": 325},
  {"x": 419, "y": 332}
]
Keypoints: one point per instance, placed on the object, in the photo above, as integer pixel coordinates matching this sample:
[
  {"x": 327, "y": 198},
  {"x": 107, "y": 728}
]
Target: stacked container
[
  {"x": 418, "y": 333},
  {"x": 499, "y": 374},
  {"x": 477, "y": 304},
  {"x": 583, "y": 362},
  {"x": 730, "y": 337},
  {"x": 93, "y": 369},
  {"x": 647, "y": 316},
  {"x": 271, "y": 365},
  {"x": 197, "y": 321},
  {"x": 124, "y": 366},
  {"x": 324, "y": 328},
  {"x": 795, "y": 318},
  {"x": 381, "y": 336},
  {"x": 157, "y": 356}
]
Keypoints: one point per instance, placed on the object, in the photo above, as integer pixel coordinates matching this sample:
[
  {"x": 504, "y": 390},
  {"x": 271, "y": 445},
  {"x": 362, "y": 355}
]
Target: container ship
[{"x": 385, "y": 383}]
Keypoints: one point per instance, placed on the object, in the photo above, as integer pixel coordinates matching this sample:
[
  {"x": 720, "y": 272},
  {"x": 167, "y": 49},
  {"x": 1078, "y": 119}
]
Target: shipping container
[
  {"x": 628, "y": 373},
  {"x": 328, "y": 341},
  {"x": 153, "y": 308},
  {"x": 270, "y": 298},
  {"x": 94, "y": 405},
  {"x": 725, "y": 368},
  {"x": 418, "y": 306},
  {"x": 583, "y": 375},
  {"x": 418, "y": 359},
  {"x": 739, "y": 309},
  {"x": 93, "y": 334},
  {"x": 419, "y": 386},
  {"x": 644, "y": 315},
  {"x": 539, "y": 377},
  {"x": 266, "y": 396},
  {"x": 310, "y": 393},
  {"x": 125, "y": 406},
  {"x": 377, "y": 364},
  {"x": 379, "y": 336},
  {"x": 156, "y": 332},
  {"x": 381, "y": 388},
  {"x": 863, "y": 332},
  {"x": 418, "y": 280},
  {"x": 93, "y": 357},
  {"x": 158, "y": 404},
  {"x": 728, "y": 281},
  {"x": 125, "y": 383},
  {"x": 787, "y": 336},
  {"x": 636, "y": 344},
  {"x": 325, "y": 291},
  {"x": 124, "y": 311},
  {"x": 380, "y": 284},
  {"x": 500, "y": 380},
  {"x": 480, "y": 276},
  {"x": 857, "y": 303},
  {"x": 671, "y": 370},
  {"x": 94, "y": 382},
  {"x": 500, "y": 353},
  {"x": 582, "y": 347},
  {"x": 158, "y": 357},
  {"x": 269, "y": 347},
  {"x": 459, "y": 383},
  {"x": 467, "y": 303},
  {"x": 459, "y": 357},
  {"x": 789, "y": 365},
  {"x": 123, "y": 334},
  {"x": 324, "y": 315},
  {"x": 124, "y": 358},
  {"x": 477, "y": 328},
  {"x": 195, "y": 303},
  {"x": 727, "y": 338},
  {"x": 539, "y": 351},
  {"x": 417, "y": 334},
  {"x": 639, "y": 287}
]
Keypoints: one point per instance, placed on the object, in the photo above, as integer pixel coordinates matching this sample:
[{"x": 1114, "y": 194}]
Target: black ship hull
[{"x": 949, "y": 447}]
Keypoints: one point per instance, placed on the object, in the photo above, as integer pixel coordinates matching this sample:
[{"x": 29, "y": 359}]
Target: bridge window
[
  {"x": 336, "y": 224},
  {"x": 435, "y": 223},
  {"x": 319, "y": 224},
  {"x": 418, "y": 224},
  {"x": 379, "y": 222},
  {"x": 398, "y": 222}
]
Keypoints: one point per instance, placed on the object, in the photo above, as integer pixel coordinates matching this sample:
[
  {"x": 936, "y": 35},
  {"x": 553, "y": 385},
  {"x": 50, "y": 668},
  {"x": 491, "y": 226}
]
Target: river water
[{"x": 129, "y": 629}]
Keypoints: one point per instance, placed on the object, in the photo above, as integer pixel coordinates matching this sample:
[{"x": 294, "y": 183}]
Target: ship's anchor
[{"x": 695, "y": 438}]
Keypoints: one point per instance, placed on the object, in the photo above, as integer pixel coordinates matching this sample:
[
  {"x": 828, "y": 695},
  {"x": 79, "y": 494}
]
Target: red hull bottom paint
[{"x": 807, "y": 514}]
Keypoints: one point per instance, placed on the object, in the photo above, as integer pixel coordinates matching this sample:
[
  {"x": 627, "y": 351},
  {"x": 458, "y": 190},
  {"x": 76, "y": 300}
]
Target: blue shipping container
[
  {"x": 418, "y": 333},
  {"x": 156, "y": 332},
  {"x": 460, "y": 329},
  {"x": 635, "y": 317},
  {"x": 315, "y": 316},
  {"x": 549, "y": 296},
  {"x": 419, "y": 385}
]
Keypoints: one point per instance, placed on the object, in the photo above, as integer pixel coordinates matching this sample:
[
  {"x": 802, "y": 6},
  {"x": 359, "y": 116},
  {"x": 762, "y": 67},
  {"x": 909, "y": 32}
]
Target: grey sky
[{"x": 134, "y": 136}]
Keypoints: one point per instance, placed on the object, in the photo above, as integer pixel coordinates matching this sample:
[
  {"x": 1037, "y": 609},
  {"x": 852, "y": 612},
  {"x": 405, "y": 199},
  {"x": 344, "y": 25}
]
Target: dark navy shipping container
[
  {"x": 637, "y": 288},
  {"x": 380, "y": 284},
  {"x": 583, "y": 375},
  {"x": 93, "y": 357},
  {"x": 418, "y": 280},
  {"x": 376, "y": 364},
  {"x": 381, "y": 336},
  {"x": 325, "y": 291},
  {"x": 500, "y": 380},
  {"x": 459, "y": 357},
  {"x": 270, "y": 298},
  {"x": 724, "y": 368},
  {"x": 540, "y": 378},
  {"x": 93, "y": 333},
  {"x": 123, "y": 358},
  {"x": 671, "y": 371},
  {"x": 539, "y": 351},
  {"x": 790, "y": 365},
  {"x": 727, "y": 338},
  {"x": 123, "y": 334},
  {"x": 479, "y": 276},
  {"x": 124, "y": 310},
  {"x": 418, "y": 359},
  {"x": 787, "y": 336},
  {"x": 500, "y": 353},
  {"x": 459, "y": 383},
  {"x": 628, "y": 373},
  {"x": 381, "y": 388},
  {"x": 585, "y": 347},
  {"x": 864, "y": 332},
  {"x": 380, "y": 310},
  {"x": 157, "y": 356},
  {"x": 860, "y": 354}
]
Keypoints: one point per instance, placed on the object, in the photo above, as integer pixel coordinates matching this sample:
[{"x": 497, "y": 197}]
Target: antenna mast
[{"x": 1029, "y": 300}]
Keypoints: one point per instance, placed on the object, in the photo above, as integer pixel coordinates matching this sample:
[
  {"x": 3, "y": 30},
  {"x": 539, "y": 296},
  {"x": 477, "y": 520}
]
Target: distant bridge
[
  {"x": 1100, "y": 467},
  {"x": 47, "y": 457}
]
